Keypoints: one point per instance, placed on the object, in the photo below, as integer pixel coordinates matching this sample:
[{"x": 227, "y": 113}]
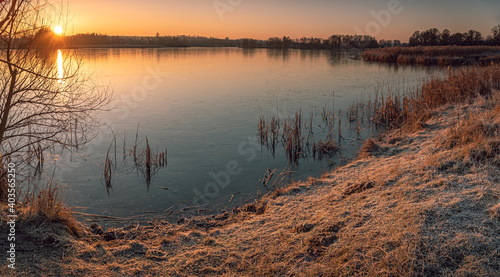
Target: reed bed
[
  {"x": 461, "y": 85},
  {"x": 297, "y": 136},
  {"x": 146, "y": 161},
  {"x": 435, "y": 55}
]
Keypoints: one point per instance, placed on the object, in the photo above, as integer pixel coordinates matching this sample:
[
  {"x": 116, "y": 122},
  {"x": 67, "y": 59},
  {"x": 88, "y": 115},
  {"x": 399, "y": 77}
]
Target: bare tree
[{"x": 46, "y": 99}]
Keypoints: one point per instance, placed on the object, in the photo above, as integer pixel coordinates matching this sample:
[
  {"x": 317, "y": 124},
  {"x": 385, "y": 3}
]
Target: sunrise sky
[{"x": 262, "y": 19}]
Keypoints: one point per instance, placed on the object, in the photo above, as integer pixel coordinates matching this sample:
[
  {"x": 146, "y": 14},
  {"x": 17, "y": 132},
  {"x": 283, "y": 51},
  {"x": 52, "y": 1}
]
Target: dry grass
[
  {"x": 435, "y": 55},
  {"x": 459, "y": 86},
  {"x": 45, "y": 205},
  {"x": 474, "y": 136},
  {"x": 368, "y": 148},
  {"x": 36, "y": 203},
  {"x": 495, "y": 211}
]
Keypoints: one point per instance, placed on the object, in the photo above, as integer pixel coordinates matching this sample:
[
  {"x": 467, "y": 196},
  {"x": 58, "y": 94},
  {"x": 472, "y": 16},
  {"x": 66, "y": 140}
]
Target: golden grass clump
[
  {"x": 45, "y": 205},
  {"x": 368, "y": 148},
  {"x": 477, "y": 134}
]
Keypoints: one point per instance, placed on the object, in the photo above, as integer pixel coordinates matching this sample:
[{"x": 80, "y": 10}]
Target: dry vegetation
[
  {"x": 297, "y": 137},
  {"x": 417, "y": 202},
  {"x": 435, "y": 55},
  {"x": 461, "y": 85}
]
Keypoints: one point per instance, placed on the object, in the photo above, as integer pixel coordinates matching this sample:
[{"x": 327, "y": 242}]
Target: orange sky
[{"x": 265, "y": 18}]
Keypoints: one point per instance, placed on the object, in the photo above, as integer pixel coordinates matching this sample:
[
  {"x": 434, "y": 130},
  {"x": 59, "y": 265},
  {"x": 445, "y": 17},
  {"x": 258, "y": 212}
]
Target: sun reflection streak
[{"x": 60, "y": 69}]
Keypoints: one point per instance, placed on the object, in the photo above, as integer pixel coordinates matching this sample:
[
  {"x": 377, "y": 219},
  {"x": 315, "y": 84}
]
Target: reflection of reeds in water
[{"x": 108, "y": 172}]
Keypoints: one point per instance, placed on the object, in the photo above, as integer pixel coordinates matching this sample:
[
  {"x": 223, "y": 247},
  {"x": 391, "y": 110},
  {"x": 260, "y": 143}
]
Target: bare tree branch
[{"x": 44, "y": 92}]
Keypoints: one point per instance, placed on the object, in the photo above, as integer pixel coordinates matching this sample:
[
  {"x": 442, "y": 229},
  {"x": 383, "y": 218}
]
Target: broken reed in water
[{"x": 277, "y": 183}]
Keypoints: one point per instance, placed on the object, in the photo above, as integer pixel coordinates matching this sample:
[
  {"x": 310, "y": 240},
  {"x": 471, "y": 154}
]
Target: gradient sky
[{"x": 265, "y": 18}]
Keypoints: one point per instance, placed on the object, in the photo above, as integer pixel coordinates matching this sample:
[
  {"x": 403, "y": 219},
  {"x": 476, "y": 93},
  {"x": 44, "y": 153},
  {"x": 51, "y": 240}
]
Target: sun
[{"x": 58, "y": 30}]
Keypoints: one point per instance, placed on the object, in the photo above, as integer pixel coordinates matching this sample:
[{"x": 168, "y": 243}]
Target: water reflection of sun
[{"x": 60, "y": 69}]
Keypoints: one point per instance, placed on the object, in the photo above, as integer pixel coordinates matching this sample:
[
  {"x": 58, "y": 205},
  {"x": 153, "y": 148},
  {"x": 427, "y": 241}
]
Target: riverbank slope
[{"x": 417, "y": 202}]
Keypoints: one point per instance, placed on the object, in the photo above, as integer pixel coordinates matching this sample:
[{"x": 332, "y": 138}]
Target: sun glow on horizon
[{"x": 58, "y": 30}]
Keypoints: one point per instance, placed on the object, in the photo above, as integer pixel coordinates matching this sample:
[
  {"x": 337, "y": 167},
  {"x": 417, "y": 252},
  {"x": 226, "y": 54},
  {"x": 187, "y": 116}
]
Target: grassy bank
[
  {"x": 435, "y": 55},
  {"x": 421, "y": 200}
]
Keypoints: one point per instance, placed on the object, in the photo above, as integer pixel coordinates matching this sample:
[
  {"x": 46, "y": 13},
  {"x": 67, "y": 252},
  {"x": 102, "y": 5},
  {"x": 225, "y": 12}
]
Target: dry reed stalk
[
  {"x": 148, "y": 162},
  {"x": 135, "y": 144},
  {"x": 296, "y": 143}
]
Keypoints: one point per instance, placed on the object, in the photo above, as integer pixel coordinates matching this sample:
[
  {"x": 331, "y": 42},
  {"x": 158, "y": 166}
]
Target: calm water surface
[{"x": 204, "y": 104}]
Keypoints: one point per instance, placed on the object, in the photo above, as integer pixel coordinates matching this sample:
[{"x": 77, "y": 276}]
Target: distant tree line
[
  {"x": 333, "y": 42},
  {"x": 434, "y": 37},
  {"x": 94, "y": 39},
  {"x": 431, "y": 37}
]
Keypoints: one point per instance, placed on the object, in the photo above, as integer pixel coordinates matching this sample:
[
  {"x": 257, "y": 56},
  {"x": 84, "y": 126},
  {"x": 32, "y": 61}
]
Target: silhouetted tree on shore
[
  {"x": 494, "y": 38},
  {"x": 45, "y": 98}
]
